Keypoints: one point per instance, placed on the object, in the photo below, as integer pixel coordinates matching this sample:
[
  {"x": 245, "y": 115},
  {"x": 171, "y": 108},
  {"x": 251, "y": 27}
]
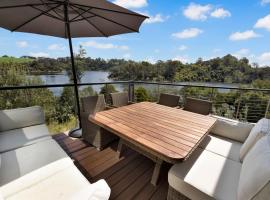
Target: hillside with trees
[{"x": 227, "y": 69}]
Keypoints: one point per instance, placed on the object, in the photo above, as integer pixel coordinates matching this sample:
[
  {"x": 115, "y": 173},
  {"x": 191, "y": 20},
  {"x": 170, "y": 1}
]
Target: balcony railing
[{"x": 245, "y": 104}]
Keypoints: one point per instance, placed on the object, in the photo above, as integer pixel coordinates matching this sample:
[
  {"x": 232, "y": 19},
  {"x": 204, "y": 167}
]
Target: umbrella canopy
[
  {"x": 86, "y": 18},
  {"x": 69, "y": 19}
]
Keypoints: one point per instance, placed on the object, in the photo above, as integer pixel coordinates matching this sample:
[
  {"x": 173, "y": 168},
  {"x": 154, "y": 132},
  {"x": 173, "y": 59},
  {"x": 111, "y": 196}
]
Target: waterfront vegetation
[
  {"x": 227, "y": 69},
  {"x": 60, "y": 111}
]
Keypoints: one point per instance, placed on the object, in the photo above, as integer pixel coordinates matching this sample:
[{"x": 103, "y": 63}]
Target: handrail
[
  {"x": 201, "y": 86},
  {"x": 237, "y": 111},
  {"x": 58, "y": 85},
  {"x": 129, "y": 82}
]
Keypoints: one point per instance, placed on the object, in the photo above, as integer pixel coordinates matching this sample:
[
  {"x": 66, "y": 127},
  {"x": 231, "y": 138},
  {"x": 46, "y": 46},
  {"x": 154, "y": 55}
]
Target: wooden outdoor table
[{"x": 162, "y": 133}]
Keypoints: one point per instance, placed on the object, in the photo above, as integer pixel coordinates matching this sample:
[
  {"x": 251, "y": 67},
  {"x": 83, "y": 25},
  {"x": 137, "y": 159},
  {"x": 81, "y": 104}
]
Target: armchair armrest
[
  {"x": 231, "y": 129},
  {"x": 97, "y": 190}
]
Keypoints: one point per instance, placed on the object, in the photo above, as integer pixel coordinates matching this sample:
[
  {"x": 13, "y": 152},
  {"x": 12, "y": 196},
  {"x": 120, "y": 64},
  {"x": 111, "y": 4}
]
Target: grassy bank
[{"x": 55, "y": 127}]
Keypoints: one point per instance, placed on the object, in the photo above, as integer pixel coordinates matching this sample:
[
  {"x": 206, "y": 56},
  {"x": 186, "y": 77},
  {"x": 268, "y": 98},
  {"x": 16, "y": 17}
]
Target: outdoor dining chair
[
  {"x": 120, "y": 99},
  {"x": 92, "y": 133},
  {"x": 199, "y": 106},
  {"x": 168, "y": 100}
]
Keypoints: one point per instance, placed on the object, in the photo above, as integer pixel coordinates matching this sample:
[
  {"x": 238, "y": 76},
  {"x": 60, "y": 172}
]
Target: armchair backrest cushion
[
  {"x": 119, "y": 99},
  {"x": 231, "y": 129},
  {"x": 21, "y": 117},
  {"x": 261, "y": 128},
  {"x": 93, "y": 104},
  {"x": 168, "y": 100},
  {"x": 254, "y": 182},
  {"x": 199, "y": 106}
]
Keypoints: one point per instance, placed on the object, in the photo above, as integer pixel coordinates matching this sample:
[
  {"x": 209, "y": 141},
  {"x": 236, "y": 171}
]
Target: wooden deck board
[{"x": 129, "y": 177}]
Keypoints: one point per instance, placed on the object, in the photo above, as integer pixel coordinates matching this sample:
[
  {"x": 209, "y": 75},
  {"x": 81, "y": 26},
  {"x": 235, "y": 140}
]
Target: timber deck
[{"x": 128, "y": 177}]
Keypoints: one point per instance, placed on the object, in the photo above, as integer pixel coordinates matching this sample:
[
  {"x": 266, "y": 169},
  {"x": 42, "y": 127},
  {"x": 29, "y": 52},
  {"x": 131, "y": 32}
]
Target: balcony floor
[{"x": 128, "y": 177}]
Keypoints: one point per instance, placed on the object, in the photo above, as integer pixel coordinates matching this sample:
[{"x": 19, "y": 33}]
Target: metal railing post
[
  {"x": 158, "y": 91},
  {"x": 129, "y": 91},
  {"x": 132, "y": 91},
  {"x": 238, "y": 105},
  {"x": 212, "y": 94},
  {"x": 106, "y": 94},
  {"x": 267, "y": 109}
]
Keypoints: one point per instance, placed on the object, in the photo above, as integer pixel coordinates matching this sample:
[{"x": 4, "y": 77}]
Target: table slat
[{"x": 168, "y": 132}]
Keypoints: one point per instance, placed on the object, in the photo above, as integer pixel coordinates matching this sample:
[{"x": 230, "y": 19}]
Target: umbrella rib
[
  {"x": 98, "y": 29},
  {"x": 76, "y": 20},
  {"x": 105, "y": 9},
  {"x": 49, "y": 15},
  {"x": 28, "y": 21},
  {"x": 105, "y": 35},
  {"x": 53, "y": 10},
  {"x": 79, "y": 14},
  {"x": 109, "y": 20}
]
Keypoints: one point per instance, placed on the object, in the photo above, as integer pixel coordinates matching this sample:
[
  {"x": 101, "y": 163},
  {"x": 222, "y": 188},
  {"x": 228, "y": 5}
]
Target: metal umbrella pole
[{"x": 75, "y": 132}]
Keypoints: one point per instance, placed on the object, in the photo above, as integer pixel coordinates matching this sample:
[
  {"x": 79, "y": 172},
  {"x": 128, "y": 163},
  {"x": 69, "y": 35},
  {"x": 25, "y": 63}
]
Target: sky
[{"x": 177, "y": 29}]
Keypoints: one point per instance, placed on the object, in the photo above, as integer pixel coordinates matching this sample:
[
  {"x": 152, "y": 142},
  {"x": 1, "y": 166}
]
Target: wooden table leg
[
  {"x": 156, "y": 172},
  {"x": 119, "y": 148}
]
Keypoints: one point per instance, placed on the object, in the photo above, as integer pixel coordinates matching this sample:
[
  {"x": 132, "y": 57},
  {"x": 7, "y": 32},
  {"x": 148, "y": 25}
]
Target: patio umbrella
[{"x": 69, "y": 19}]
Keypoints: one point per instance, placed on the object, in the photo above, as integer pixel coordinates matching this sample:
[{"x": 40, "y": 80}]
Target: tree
[
  {"x": 262, "y": 84},
  {"x": 82, "y": 52},
  {"x": 88, "y": 91},
  {"x": 65, "y": 107},
  {"x": 106, "y": 90},
  {"x": 14, "y": 74},
  {"x": 255, "y": 104},
  {"x": 80, "y": 65},
  {"x": 141, "y": 94}
]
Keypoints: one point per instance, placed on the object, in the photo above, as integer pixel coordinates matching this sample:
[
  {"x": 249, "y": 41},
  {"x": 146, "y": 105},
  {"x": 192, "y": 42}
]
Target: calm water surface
[
  {"x": 88, "y": 77},
  {"x": 101, "y": 76}
]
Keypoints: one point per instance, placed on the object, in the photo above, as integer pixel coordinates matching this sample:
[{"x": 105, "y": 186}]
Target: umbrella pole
[{"x": 75, "y": 132}]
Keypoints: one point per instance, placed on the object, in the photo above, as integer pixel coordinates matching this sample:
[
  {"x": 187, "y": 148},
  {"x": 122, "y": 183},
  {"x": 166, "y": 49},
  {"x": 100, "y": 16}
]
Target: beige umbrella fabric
[{"x": 69, "y": 19}]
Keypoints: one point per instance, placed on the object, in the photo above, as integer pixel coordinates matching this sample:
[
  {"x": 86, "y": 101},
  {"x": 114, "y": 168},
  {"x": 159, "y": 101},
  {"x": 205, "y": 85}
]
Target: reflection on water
[
  {"x": 100, "y": 76},
  {"x": 88, "y": 77}
]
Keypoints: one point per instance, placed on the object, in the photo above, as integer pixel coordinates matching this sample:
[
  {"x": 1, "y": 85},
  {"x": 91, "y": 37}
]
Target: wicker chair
[
  {"x": 120, "y": 99},
  {"x": 92, "y": 133},
  {"x": 198, "y": 106},
  {"x": 169, "y": 100}
]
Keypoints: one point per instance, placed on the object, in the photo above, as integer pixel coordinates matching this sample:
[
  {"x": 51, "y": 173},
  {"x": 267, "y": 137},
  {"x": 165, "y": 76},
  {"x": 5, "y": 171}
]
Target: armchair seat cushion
[
  {"x": 17, "y": 138},
  {"x": 58, "y": 180},
  {"x": 206, "y": 175},
  {"x": 222, "y": 146},
  {"x": 21, "y": 161}
]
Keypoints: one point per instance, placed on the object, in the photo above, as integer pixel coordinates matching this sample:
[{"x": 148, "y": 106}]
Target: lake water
[
  {"x": 89, "y": 77},
  {"x": 100, "y": 76}
]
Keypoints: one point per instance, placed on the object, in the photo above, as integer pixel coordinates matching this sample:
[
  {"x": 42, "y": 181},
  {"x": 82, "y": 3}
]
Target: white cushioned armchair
[
  {"x": 21, "y": 127},
  {"x": 34, "y": 166},
  {"x": 228, "y": 164}
]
